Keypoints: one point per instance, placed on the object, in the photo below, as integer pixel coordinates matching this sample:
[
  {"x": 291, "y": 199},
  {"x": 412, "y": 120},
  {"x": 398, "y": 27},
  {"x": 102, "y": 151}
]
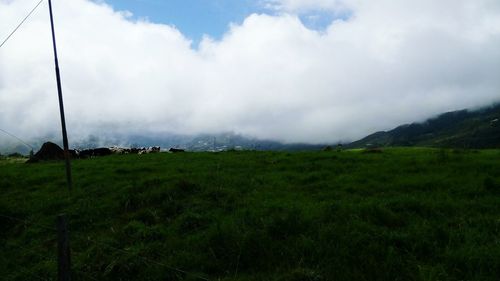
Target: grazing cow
[
  {"x": 153, "y": 149},
  {"x": 103, "y": 151},
  {"x": 74, "y": 153},
  {"x": 86, "y": 153},
  {"x": 176, "y": 150},
  {"x": 117, "y": 150},
  {"x": 135, "y": 150}
]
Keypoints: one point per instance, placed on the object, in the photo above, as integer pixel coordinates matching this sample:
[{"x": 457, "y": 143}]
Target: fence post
[{"x": 63, "y": 261}]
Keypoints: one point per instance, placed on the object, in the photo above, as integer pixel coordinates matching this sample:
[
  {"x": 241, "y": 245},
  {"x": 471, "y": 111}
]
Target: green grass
[{"x": 404, "y": 214}]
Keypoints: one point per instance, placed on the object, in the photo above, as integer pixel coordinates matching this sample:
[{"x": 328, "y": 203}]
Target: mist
[{"x": 270, "y": 77}]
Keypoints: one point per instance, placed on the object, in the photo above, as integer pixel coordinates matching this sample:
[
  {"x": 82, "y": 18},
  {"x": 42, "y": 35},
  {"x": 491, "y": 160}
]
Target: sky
[
  {"x": 194, "y": 18},
  {"x": 312, "y": 71},
  {"x": 199, "y": 18}
]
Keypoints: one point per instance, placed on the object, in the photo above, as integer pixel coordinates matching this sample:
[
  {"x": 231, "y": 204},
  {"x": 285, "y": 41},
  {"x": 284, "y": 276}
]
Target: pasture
[{"x": 403, "y": 214}]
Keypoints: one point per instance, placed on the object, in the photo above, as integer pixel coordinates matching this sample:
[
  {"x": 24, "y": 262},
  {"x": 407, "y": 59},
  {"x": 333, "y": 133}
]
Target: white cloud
[
  {"x": 307, "y": 5},
  {"x": 271, "y": 77}
]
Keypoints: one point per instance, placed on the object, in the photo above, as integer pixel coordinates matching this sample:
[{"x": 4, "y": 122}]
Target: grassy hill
[
  {"x": 403, "y": 214},
  {"x": 459, "y": 129}
]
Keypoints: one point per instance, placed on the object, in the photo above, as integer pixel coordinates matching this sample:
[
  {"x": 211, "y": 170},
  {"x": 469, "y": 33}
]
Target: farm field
[{"x": 402, "y": 214}]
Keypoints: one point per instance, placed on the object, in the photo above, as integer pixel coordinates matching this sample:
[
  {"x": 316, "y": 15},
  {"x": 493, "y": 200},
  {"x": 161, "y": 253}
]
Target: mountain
[
  {"x": 200, "y": 142},
  {"x": 458, "y": 129},
  {"x": 226, "y": 141}
]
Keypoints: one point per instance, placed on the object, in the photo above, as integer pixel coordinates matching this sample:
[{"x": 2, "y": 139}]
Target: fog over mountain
[{"x": 380, "y": 64}]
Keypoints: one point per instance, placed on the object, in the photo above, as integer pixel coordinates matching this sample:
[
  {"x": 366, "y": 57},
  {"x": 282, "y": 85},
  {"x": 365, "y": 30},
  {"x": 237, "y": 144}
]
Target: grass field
[{"x": 403, "y": 214}]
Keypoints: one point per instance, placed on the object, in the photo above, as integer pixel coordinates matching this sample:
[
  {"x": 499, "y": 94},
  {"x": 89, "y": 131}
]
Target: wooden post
[
  {"x": 61, "y": 104},
  {"x": 63, "y": 261}
]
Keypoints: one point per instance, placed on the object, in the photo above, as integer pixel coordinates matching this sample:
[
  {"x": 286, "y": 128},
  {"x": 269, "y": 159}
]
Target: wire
[
  {"x": 86, "y": 274},
  {"x": 28, "y": 222},
  {"x": 22, "y": 270},
  {"x": 17, "y": 137},
  {"x": 19, "y": 25},
  {"x": 124, "y": 251}
]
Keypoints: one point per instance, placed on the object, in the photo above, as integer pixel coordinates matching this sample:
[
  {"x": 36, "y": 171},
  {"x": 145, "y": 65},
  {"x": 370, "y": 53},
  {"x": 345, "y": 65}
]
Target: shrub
[{"x": 16, "y": 155}]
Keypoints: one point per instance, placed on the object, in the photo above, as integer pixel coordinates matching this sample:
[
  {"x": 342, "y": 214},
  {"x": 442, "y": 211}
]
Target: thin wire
[
  {"x": 33, "y": 252},
  {"x": 145, "y": 259},
  {"x": 112, "y": 247},
  {"x": 17, "y": 137},
  {"x": 33, "y": 275},
  {"x": 30, "y": 273},
  {"x": 37, "y": 254},
  {"x": 28, "y": 222},
  {"x": 85, "y": 273},
  {"x": 15, "y": 29}
]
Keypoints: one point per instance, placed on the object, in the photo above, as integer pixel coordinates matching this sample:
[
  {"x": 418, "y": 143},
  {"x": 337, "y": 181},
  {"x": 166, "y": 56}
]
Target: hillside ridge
[{"x": 456, "y": 129}]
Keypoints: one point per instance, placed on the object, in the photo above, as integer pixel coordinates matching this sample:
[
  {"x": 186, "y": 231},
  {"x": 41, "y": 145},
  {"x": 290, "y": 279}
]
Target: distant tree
[
  {"x": 339, "y": 147},
  {"x": 327, "y": 148},
  {"x": 15, "y": 155}
]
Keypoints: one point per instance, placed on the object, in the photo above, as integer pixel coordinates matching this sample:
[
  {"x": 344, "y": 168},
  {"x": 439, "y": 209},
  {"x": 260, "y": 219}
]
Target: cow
[
  {"x": 102, "y": 151},
  {"x": 117, "y": 150},
  {"x": 152, "y": 149},
  {"x": 73, "y": 153},
  {"x": 135, "y": 150},
  {"x": 87, "y": 153}
]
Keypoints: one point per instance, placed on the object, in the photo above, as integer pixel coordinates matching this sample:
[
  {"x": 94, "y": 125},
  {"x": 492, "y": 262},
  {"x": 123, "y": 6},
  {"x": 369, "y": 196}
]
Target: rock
[{"x": 48, "y": 151}]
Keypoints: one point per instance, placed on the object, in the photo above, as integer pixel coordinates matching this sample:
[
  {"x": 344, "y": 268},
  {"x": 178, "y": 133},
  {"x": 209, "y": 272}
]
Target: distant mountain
[
  {"x": 226, "y": 141},
  {"x": 200, "y": 142},
  {"x": 458, "y": 129}
]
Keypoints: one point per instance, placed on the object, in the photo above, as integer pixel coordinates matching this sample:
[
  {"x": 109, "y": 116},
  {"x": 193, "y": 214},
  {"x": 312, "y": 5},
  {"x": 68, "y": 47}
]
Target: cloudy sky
[{"x": 290, "y": 70}]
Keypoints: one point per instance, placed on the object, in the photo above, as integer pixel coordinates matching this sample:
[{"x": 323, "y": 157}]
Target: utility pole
[
  {"x": 61, "y": 105},
  {"x": 63, "y": 251}
]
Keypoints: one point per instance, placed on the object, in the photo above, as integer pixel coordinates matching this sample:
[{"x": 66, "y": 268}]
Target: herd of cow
[{"x": 104, "y": 151}]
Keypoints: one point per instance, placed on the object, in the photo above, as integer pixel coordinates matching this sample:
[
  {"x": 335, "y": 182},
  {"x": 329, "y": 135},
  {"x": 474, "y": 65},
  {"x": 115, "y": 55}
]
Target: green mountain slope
[{"x": 460, "y": 129}]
